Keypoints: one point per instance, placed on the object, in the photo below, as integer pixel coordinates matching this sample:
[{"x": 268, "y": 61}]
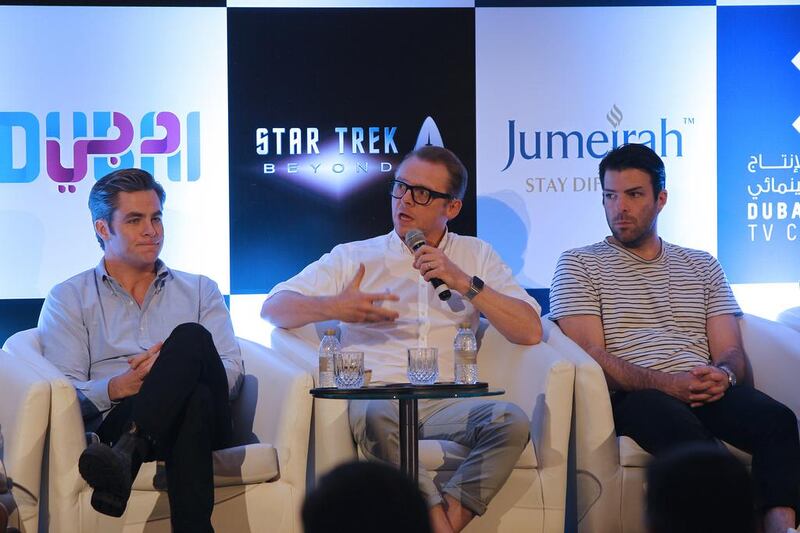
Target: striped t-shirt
[{"x": 654, "y": 311}]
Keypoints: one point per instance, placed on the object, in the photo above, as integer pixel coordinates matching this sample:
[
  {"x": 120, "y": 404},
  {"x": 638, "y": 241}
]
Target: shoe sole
[{"x": 101, "y": 469}]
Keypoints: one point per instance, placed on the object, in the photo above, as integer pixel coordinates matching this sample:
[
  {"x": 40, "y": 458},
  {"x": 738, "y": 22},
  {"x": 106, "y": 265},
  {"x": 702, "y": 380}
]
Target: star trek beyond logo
[
  {"x": 163, "y": 140},
  {"x": 525, "y": 144},
  {"x": 334, "y": 160}
]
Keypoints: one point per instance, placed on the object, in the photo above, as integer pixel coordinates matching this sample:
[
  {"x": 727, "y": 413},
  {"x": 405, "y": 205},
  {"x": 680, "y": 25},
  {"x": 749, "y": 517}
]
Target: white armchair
[
  {"x": 536, "y": 378},
  {"x": 609, "y": 471},
  {"x": 260, "y": 481},
  {"x": 24, "y": 414}
]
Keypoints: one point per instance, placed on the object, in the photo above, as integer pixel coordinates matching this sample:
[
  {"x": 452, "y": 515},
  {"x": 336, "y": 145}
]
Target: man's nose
[
  {"x": 148, "y": 228},
  {"x": 408, "y": 197}
]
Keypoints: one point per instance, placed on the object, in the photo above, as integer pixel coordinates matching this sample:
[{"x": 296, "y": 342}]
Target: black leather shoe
[{"x": 111, "y": 471}]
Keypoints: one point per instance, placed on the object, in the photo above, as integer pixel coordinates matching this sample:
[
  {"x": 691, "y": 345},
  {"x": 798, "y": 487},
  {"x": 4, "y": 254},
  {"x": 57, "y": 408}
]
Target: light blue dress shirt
[{"x": 89, "y": 327}]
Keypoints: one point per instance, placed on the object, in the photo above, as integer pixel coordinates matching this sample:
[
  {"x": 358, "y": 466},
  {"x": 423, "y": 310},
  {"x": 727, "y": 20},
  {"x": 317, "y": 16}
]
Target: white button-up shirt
[{"x": 425, "y": 321}]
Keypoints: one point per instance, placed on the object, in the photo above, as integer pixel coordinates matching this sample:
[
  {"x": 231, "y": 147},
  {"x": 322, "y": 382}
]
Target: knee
[
  {"x": 514, "y": 423},
  {"x": 783, "y": 421},
  {"x": 381, "y": 433},
  {"x": 190, "y": 331}
]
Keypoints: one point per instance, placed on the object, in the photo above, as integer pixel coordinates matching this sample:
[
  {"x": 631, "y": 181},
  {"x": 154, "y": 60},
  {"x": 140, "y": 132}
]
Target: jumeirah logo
[{"x": 614, "y": 117}]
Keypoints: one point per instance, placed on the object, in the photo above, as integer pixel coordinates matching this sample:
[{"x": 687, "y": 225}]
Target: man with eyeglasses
[{"x": 379, "y": 290}]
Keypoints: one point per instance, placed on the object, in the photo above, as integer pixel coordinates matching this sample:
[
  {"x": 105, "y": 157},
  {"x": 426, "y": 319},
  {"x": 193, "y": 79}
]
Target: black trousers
[
  {"x": 743, "y": 417},
  {"x": 183, "y": 406}
]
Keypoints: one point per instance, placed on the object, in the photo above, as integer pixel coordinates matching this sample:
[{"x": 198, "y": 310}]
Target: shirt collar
[
  {"x": 396, "y": 243},
  {"x": 163, "y": 273}
]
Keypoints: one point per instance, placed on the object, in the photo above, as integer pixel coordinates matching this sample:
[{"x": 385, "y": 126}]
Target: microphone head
[{"x": 414, "y": 239}]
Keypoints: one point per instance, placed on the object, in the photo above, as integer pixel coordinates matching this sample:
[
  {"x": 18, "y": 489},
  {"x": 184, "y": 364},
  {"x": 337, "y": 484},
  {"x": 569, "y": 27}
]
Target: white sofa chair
[
  {"x": 258, "y": 484},
  {"x": 609, "y": 471},
  {"x": 24, "y": 414},
  {"x": 791, "y": 317},
  {"x": 536, "y": 378}
]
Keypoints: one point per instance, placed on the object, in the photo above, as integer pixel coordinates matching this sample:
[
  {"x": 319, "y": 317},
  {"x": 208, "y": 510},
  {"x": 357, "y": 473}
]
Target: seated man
[
  {"x": 142, "y": 344},
  {"x": 661, "y": 322},
  {"x": 379, "y": 288}
]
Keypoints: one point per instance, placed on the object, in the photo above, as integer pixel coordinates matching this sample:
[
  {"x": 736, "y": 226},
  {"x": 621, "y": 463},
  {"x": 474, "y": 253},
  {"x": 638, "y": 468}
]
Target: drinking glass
[
  {"x": 348, "y": 369},
  {"x": 423, "y": 366}
]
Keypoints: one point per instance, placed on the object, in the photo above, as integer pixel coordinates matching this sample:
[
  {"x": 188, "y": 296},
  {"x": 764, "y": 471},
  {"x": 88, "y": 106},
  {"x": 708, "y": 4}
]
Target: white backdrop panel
[
  {"x": 597, "y": 72},
  {"x": 95, "y": 62}
]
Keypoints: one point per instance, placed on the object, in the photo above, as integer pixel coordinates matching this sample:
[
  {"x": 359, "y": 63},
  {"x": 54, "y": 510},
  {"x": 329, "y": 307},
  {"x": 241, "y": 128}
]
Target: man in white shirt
[{"x": 379, "y": 289}]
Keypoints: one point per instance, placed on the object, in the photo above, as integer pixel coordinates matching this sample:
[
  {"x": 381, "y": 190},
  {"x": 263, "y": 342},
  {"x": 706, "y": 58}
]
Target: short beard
[{"x": 637, "y": 241}]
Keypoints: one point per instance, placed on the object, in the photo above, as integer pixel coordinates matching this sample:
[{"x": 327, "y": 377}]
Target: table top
[{"x": 407, "y": 391}]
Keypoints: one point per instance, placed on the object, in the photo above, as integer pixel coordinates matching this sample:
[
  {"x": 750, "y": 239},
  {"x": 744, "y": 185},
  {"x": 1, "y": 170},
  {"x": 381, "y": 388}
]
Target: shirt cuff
[{"x": 96, "y": 392}]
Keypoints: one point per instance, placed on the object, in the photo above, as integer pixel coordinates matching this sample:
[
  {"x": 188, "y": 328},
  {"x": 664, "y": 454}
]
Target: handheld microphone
[{"x": 414, "y": 239}]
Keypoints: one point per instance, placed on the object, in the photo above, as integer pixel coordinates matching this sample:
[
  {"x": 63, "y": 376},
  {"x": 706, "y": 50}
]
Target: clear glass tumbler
[
  {"x": 348, "y": 369},
  {"x": 423, "y": 366}
]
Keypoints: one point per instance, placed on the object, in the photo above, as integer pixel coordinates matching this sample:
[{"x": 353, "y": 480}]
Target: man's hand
[
  {"x": 129, "y": 382},
  {"x": 715, "y": 378},
  {"x": 689, "y": 388},
  {"x": 352, "y": 305},
  {"x": 432, "y": 263}
]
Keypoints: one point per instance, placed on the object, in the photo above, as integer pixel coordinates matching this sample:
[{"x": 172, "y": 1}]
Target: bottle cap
[
  {"x": 330, "y": 331},
  {"x": 465, "y": 325}
]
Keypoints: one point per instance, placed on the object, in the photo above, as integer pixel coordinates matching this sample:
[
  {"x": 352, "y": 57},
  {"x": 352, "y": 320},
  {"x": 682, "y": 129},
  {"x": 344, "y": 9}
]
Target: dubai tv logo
[{"x": 112, "y": 144}]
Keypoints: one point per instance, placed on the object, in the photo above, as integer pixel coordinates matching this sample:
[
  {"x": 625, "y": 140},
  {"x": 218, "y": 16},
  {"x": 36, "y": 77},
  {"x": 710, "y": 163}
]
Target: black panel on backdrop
[
  {"x": 17, "y": 315},
  {"x": 323, "y": 105}
]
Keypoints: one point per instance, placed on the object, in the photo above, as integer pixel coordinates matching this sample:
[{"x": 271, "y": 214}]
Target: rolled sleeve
[
  {"x": 498, "y": 275},
  {"x": 214, "y": 316},
  {"x": 65, "y": 343},
  {"x": 327, "y": 276}
]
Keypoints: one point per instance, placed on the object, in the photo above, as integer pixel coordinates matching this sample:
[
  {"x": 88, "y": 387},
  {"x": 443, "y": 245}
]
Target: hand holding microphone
[{"x": 434, "y": 266}]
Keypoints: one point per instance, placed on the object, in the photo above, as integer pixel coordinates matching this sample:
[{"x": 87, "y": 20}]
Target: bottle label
[{"x": 326, "y": 364}]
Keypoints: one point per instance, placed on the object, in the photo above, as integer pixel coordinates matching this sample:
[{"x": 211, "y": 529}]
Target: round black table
[{"x": 407, "y": 395}]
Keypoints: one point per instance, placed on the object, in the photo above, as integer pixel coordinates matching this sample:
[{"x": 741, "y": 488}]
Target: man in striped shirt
[{"x": 661, "y": 322}]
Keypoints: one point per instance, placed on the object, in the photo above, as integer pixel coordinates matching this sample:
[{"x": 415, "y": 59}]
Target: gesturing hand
[{"x": 352, "y": 305}]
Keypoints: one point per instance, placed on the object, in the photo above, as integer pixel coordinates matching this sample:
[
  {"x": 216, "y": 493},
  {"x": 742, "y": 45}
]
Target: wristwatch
[
  {"x": 475, "y": 287},
  {"x": 731, "y": 376}
]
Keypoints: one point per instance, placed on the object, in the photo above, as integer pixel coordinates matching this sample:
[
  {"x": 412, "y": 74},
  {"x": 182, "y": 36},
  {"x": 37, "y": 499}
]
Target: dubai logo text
[{"x": 113, "y": 143}]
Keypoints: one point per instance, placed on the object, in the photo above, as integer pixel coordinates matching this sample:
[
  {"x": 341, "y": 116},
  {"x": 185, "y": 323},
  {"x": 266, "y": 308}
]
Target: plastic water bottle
[
  {"x": 466, "y": 355},
  {"x": 328, "y": 346}
]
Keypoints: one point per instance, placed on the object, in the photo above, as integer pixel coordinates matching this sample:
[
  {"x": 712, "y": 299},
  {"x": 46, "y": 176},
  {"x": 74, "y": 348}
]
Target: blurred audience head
[
  {"x": 699, "y": 488},
  {"x": 362, "y": 497}
]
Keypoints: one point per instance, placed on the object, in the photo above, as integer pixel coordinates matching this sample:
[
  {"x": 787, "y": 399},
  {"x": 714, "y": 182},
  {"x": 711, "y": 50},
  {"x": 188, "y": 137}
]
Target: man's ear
[
  {"x": 102, "y": 229},
  {"x": 454, "y": 208},
  {"x": 661, "y": 201}
]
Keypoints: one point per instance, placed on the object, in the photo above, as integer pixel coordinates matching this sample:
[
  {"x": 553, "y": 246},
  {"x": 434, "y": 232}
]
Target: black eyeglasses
[{"x": 420, "y": 195}]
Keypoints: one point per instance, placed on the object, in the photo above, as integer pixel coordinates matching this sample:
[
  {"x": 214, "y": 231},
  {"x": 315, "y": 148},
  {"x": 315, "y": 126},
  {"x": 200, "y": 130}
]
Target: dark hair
[
  {"x": 454, "y": 166},
  {"x": 363, "y": 497},
  {"x": 103, "y": 198},
  {"x": 636, "y": 156},
  {"x": 687, "y": 482}
]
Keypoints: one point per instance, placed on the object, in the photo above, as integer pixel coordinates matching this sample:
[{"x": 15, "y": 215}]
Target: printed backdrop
[{"x": 276, "y": 126}]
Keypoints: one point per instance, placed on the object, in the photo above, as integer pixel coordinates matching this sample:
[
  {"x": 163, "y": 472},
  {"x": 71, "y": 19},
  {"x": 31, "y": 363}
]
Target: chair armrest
[
  {"x": 24, "y": 416},
  {"x": 67, "y": 437},
  {"x": 331, "y": 422},
  {"x": 274, "y": 406},
  {"x": 773, "y": 350},
  {"x": 539, "y": 380},
  {"x": 300, "y": 345},
  {"x": 594, "y": 421}
]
